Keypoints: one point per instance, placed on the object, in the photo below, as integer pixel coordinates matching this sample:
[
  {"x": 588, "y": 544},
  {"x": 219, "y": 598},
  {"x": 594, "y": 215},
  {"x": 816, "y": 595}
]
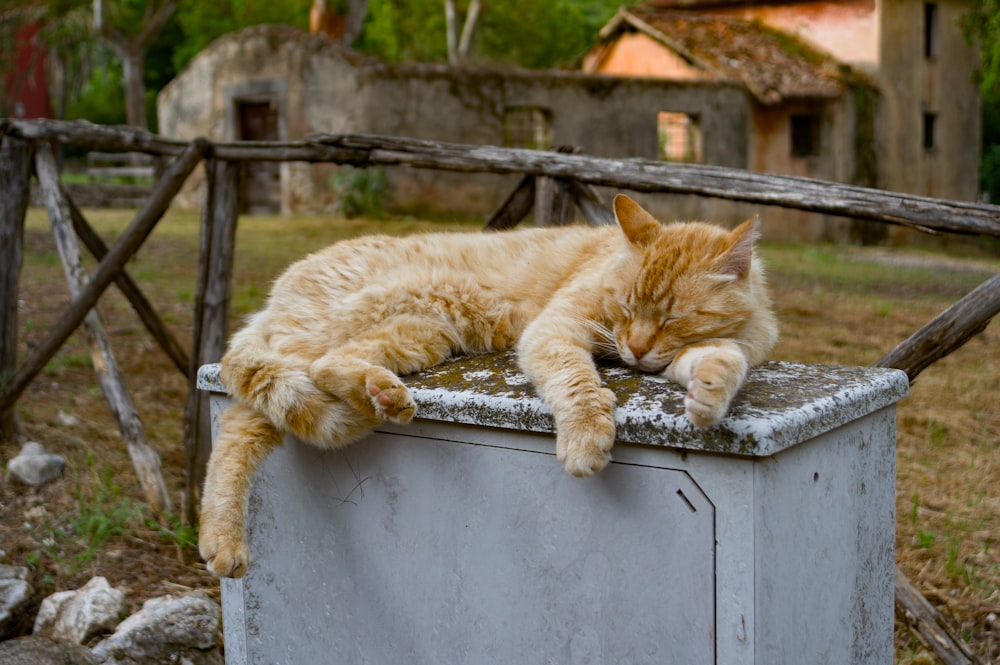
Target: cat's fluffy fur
[{"x": 322, "y": 360}]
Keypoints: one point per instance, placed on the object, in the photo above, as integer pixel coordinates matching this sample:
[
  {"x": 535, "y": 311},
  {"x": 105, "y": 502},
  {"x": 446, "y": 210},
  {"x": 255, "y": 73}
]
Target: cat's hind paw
[
  {"x": 390, "y": 398},
  {"x": 224, "y": 557}
]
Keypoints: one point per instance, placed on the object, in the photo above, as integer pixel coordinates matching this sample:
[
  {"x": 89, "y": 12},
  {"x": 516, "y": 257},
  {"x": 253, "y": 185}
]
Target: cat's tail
[{"x": 283, "y": 392}]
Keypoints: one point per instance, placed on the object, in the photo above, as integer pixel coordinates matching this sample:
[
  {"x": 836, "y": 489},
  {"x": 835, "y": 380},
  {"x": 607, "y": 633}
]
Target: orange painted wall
[{"x": 637, "y": 54}]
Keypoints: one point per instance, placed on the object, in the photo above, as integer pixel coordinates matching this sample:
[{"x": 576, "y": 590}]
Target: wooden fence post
[
  {"x": 15, "y": 185},
  {"x": 211, "y": 316}
]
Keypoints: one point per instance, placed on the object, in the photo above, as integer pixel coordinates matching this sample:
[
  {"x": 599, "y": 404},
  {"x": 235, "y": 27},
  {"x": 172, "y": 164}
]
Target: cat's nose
[{"x": 638, "y": 349}]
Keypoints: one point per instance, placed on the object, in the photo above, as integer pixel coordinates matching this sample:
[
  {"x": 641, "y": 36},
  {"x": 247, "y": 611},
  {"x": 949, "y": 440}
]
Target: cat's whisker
[{"x": 605, "y": 337}]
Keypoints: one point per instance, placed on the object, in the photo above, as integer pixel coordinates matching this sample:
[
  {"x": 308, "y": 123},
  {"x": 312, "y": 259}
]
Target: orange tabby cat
[{"x": 322, "y": 359}]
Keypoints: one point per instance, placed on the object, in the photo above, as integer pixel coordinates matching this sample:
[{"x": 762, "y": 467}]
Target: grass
[{"x": 836, "y": 304}]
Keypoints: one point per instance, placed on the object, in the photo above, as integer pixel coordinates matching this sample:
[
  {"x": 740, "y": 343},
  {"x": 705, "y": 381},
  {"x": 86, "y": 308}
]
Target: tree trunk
[
  {"x": 131, "y": 50},
  {"x": 135, "y": 88},
  {"x": 459, "y": 46}
]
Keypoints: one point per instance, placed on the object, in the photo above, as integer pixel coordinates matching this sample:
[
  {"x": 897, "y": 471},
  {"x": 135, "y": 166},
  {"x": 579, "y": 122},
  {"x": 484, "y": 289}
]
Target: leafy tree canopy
[{"x": 517, "y": 32}]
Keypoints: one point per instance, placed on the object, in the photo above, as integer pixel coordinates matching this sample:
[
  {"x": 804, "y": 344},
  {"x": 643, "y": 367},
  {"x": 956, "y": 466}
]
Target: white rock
[
  {"x": 166, "y": 629},
  {"x": 34, "y": 466},
  {"x": 67, "y": 419},
  {"x": 14, "y": 593},
  {"x": 77, "y": 616}
]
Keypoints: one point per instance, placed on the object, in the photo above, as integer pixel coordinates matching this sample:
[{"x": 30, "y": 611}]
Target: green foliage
[
  {"x": 540, "y": 34},
  {"x": 405, "y": 30},
  {"x": 201, "y": 23},
  {"x": 100, "y": 98},
  {"x": 989, "y": 172},
  {"x": 516, "y": 32},
  {"x": 982, "y": 24},
  {"x": 360, "y": 191}
]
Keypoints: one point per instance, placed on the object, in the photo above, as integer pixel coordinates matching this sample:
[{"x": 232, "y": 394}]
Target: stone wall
[{"x": 318, "y": 87}]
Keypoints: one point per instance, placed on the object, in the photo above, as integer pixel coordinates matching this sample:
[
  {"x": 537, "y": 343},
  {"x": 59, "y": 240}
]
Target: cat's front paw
[
  {"x": 389, "y": 397},
  {"x": 706, "y": 403},
  {"x": 712, "y": 387},
  {"x": 584, "y": 443},
  {"x": 225, "y": 552}
]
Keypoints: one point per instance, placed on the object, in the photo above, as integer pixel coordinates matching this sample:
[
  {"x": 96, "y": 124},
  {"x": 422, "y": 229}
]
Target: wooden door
[{"x": 261, "y": 189}]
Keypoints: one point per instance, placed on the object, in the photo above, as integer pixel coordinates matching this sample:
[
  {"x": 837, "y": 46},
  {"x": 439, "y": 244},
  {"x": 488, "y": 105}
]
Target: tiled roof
[{"x": 773, "y": 65}]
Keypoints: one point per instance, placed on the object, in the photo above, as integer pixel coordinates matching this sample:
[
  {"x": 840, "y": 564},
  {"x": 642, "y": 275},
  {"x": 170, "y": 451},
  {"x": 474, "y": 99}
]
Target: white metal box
[{"x": 460, "y": 539}]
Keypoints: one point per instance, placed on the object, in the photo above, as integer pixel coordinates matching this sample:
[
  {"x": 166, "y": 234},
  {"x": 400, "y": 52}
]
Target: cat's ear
[
  {"x": 736, "y": 261},
  {"x": 639, "y": 226}
]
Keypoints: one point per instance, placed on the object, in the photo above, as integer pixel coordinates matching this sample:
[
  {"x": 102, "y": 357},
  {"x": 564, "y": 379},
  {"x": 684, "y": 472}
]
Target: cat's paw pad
[
  {"x": 706, "y": 403},
  {"x": 390, "y": 398},
  {"x": 224, "y": 557}
]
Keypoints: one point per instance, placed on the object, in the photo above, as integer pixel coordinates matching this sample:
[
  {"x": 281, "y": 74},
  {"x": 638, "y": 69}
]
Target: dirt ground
[{"x": 836, "y": 305}]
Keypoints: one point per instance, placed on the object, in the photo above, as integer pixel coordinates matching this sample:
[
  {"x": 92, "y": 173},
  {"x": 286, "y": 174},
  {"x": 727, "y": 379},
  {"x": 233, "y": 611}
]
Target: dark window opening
[
  {"x": 260, "y": 189},
  {"x": 527, "y": 127},
  {"x": 930, "y": 120},
  {"x": 930, "y": 30},
  {"x": 805, "y": 135}
]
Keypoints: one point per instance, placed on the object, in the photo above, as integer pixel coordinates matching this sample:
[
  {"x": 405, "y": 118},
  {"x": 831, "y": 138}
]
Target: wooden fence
[{"x": 564, "y": 177}]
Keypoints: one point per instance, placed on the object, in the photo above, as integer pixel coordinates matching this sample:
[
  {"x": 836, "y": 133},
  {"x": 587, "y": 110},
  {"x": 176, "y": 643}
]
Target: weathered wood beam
[
  {"x": 15, "y": 185},
  {"x": 154, "y": 324},
  {"x": 914, "y": 610},
  {"x": 923, "y": 213},
  {"x": 948, "y": 331},
  {"x": 121, "y": 138},
  {"x": 124, "y": 248},
  {"x": 145, "y": 459},
  {"x": 515, "y": 206},
  {"x": 590, "y": 204},
  {"x": 211, "y": 318},
  {"x": 115, "y": 138},
  {"x": 562, "y": 203}
]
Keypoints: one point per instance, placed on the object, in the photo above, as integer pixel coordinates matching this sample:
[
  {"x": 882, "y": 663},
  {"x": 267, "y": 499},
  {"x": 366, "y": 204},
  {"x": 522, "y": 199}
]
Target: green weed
[
  {"x": 361, "y": 191},
  {"x": 102, "y": 514},
  {"x": 936, "y": 432},
  {"x": 171, "y": 529},
  {"x": 80, "y": 360}
]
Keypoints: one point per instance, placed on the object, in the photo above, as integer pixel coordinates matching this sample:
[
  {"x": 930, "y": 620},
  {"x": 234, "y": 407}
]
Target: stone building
[
  {"x": 906, "y": 66},
  {"x": 275, "y": 82},
  {"x": 785, "y": 106}
]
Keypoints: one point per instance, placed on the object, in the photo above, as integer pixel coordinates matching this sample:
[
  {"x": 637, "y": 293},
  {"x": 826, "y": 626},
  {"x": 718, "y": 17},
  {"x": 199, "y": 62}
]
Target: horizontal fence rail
[{"x": 831, "y": 198}]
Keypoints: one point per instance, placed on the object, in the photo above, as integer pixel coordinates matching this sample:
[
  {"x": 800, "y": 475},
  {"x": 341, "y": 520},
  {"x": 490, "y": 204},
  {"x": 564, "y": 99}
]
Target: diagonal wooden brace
[
  {"x": 124, "y": 248},
  {"x": 154, "y": 324}
]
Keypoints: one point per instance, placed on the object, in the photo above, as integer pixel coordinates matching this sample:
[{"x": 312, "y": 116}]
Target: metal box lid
[{"x": 780, "y": 405}]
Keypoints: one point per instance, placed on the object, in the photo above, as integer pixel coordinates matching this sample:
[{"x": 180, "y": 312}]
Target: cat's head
[{"x": 683, "y": 283}]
